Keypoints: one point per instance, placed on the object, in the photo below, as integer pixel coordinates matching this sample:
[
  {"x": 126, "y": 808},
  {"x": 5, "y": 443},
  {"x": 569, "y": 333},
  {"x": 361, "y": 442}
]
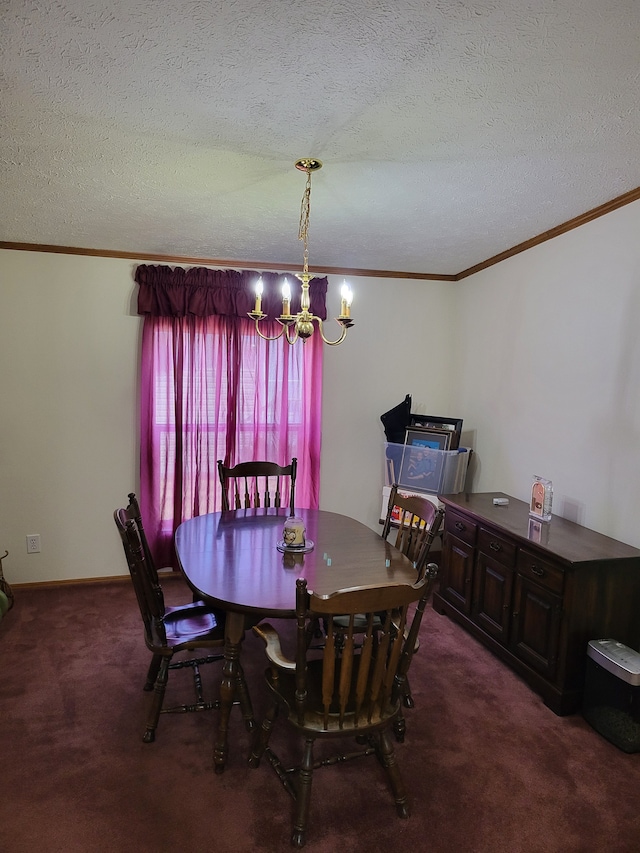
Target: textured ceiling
[{"x": 450, "y": 131}]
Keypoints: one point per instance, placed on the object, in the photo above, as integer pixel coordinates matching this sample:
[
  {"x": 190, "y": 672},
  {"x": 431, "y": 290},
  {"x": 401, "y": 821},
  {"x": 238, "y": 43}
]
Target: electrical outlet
[{"x": 33, "y": 543}]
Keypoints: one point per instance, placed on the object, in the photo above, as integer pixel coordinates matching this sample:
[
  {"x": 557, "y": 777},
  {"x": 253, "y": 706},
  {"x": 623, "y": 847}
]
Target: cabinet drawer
[
  {"x": 502, "y": 550},
  {"x": 460, "y": 527},
  {"x": 541, "y": 571}
]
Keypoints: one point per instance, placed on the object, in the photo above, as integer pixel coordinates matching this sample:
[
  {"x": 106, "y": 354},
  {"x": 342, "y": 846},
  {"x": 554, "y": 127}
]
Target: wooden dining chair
[
  {"x": 133, "y": 513},
  {"x": 418, "y": 522},
  {"x": 349, "y": 688},
  {"x": 255, "y": 484},
  {"x": 171, "y": 630}
]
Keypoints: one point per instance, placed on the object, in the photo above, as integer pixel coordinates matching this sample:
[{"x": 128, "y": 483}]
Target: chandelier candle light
[{"x": 301, "y": 325}]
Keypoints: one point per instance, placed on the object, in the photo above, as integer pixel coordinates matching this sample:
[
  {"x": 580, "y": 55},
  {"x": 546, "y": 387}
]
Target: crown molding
[{"x": 589, "y": 216}]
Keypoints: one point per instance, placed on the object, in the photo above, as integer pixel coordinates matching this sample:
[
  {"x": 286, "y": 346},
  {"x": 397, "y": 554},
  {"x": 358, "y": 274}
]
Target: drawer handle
[
  {"x": 495, "y": 546},
  {"x": 538, "y": 571},
  {"x": 460, "y": 526}
]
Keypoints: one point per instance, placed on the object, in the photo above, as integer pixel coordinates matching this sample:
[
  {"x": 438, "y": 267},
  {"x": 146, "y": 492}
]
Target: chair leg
[
  {"x": 399, "y": 726},
  {"x": 152, "y": 672},
  {"x": 158, "y": 698},
  {"x": 261, "y": 740},
  {"x": 388, "y": 761},
  {"x": 245, "y": 700},
  {"x": 401, "y": 689},
  {"x": 303, "y": 798},
  {"x": 407, "y": 698}
]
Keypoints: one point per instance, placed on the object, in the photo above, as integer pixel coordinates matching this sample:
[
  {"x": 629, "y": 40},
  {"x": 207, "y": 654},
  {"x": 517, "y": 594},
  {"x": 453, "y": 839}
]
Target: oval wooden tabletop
[{"x": 232, "y": 559}]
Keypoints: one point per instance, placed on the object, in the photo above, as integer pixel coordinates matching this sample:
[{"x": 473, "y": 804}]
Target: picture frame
[
  {"x": 436, "y": 439},
  {"x": 422, "y": 468},
  {"x": 541, "y": 498},
  {"x": 453, "y": 425}
]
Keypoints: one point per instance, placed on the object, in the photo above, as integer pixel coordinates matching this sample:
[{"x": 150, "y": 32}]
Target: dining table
[{"x": 237, "y": 560}]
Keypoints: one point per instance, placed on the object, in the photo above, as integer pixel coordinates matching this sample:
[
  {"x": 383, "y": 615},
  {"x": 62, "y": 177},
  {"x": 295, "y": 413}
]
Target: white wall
[
  {"x": 547, "y": 372},
  {"x": 68, "y": 416},
  {"x": 69, "y": 348},
  {"x": 400, "y": 345}
]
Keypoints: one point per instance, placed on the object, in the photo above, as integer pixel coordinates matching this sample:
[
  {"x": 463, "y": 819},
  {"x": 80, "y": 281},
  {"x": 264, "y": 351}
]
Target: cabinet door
[
  {"x": 457, "y": 569},
  {"x": 492, "y": 588},
  {"x": 535, "y": 628}
]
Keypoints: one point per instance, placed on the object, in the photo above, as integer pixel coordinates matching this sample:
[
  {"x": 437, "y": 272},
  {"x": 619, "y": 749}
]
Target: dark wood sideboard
[{"x": 536, "y": 594}]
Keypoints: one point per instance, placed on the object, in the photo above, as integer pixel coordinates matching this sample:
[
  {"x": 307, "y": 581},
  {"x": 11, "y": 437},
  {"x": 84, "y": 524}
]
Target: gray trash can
[{"x": 611, "y": 702}]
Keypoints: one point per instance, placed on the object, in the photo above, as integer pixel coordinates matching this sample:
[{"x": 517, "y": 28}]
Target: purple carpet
[{"x": 490, "y": 769}]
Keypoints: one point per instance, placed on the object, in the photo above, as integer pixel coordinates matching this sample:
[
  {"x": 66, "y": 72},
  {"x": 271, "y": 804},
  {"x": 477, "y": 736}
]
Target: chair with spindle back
[
  {"x": 351, "y": 687},
  {"x": 170, "y": 630},
  {"x": 133, "y": 513},
  {"x": 255, "y": 484},
  {"x": 418, "y": 523}
]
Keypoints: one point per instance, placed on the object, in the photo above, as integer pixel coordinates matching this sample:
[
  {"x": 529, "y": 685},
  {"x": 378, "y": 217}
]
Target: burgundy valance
[{"x": 167, "y": 292}]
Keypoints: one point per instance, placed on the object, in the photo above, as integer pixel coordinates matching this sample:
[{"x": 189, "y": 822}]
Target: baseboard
[{"x": 166, "y": 574}]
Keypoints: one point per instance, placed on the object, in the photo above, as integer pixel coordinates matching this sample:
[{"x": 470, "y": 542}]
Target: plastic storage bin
[
  {"x": 611, "y": 702},
  {"x": 422, "y": 469}
]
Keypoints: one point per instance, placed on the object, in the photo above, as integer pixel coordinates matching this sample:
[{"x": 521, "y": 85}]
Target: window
[{"x": 213, "y": 389}]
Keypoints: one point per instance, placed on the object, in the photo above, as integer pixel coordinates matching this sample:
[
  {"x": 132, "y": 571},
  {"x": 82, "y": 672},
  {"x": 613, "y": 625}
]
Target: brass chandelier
[{"x": 301, "y": 325}]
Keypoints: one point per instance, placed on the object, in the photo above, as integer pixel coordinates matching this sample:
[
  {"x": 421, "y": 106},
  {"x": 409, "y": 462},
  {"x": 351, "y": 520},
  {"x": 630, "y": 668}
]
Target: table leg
[{"x": 231, "y": 671}]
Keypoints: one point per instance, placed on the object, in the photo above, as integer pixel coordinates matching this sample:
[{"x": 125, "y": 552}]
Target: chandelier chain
[{"x": 305, "y": 211}]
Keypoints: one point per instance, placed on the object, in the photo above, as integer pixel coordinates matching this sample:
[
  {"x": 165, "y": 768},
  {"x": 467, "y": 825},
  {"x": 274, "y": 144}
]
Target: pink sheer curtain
[{"x": 213, "y": 389}]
